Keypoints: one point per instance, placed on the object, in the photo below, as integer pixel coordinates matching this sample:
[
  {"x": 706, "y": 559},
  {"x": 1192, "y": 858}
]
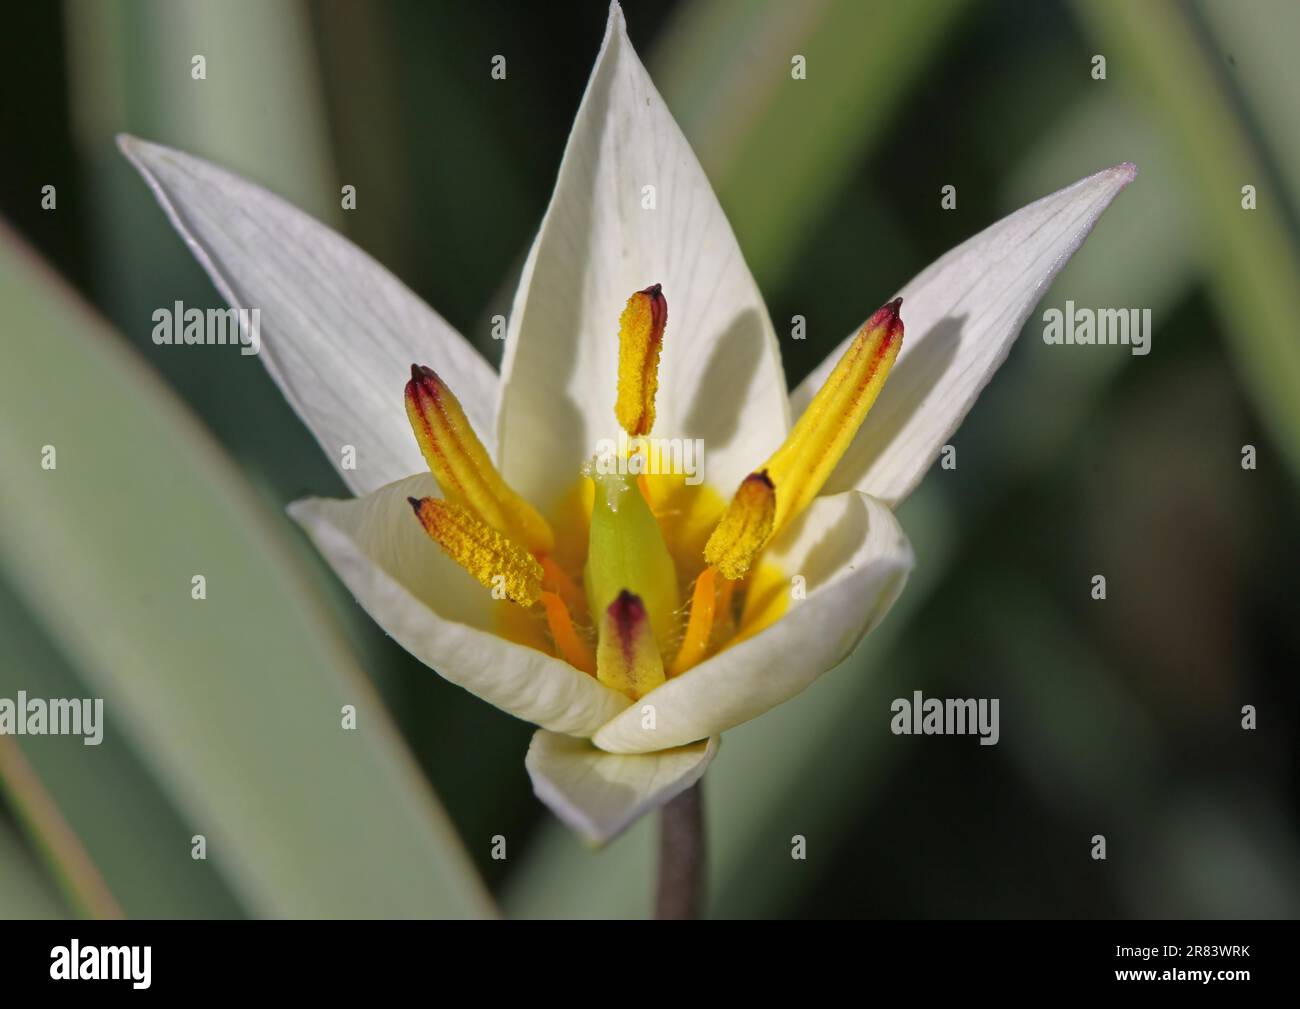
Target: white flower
[{"x": 684, "y": 650}]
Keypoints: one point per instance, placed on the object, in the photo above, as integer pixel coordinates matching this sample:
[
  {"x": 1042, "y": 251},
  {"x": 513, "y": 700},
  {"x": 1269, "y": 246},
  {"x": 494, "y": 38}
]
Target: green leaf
[
  {"x": 256, "y": 109},
  {"x": 28, "y": 894},
  {"x": 233, "y": 701},
  {"x": 1251, "y": 258},
  {"x": 777, "y": 149},
  {"x": 1258, "y": 47},
  {"x": 78, "y": 799}
]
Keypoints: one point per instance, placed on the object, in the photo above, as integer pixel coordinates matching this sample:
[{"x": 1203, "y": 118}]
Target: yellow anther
[
  {"x": 461, "y": 464},
  {"x": 800, "y": 467},
  {"x": 640, "y": 339},
  {"x": 627, "y": 657},
  {"x": 744, "y": 528},
  {"x": 494, "y": 560}
]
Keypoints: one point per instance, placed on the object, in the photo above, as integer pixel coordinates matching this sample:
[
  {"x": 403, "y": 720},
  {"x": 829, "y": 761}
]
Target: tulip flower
[{"x": 633, "y": 617}]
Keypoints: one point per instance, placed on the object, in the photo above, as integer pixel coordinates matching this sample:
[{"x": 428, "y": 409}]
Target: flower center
[{"x": 602, "y": 585}]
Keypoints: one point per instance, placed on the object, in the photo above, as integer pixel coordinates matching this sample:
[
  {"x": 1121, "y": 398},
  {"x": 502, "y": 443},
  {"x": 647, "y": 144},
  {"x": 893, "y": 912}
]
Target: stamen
[
  {"x": 627, "y": 657},
  {"x": 640, "y": 339},
  {"x": 724, "y": 616},
  {"x": 744, "y": 528},
  {"x": 700, "y": 625},
  {"x": 481, "y": 550},
  {"x": 572, "y": 648},
  {"x": 801, "y": 466},
  {"x": 556, "y": 580},
  {"x": 462, "y": 466}
]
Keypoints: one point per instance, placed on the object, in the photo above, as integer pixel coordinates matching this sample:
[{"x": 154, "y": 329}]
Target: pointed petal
[
  {"x": 338, "y": 331},
  {"x": 962, "y": 314},
  {"x": 600, "y": 794},
  {"x": 854, "y": 559},
  {"x": 440, "y": 614},
  {"x": 720, "y": 376}
]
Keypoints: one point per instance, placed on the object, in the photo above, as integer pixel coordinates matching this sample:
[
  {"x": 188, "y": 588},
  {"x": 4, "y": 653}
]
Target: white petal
[
  {"x": 854, "y": 559},
  {"x": 339, "y": 332},
  {"x": 440, "y": 614},
  {"x": 600, "y": 794},
  {"x": 960, "y": 317},
  {"x": 720, "y": 377}
]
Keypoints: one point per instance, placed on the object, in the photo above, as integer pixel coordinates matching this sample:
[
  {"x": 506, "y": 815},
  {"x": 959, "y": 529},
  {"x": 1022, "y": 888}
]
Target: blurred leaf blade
[
  {"x": 779, "y": 149},
  {"x": 27, "y": 892},
  {"x": 245, "y": 686},
  {"x": 1252, "y": 262},
  {"x": 76, "y": 873},
  {"x": 1259, "y": 49},
  {"x": 259, "y": 112},
  {"x": 256, "y": 109},
  {"x": 104, "y": 801}
]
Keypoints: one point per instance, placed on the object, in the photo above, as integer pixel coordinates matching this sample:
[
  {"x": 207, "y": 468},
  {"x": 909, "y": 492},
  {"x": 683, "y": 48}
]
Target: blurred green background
[{"x": 1119, "y": 717}]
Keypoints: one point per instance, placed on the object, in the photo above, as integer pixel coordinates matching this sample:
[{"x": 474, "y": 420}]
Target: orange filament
[
  {"x": 572, "y": 648},
  {"x": 556, "y": 580},
  {"x": 724, "y": 602},
  {"x": 700, "y": 625}
]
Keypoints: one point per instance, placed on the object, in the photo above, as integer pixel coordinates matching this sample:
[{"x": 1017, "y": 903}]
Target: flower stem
[{"x": 681, "y": 857}]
